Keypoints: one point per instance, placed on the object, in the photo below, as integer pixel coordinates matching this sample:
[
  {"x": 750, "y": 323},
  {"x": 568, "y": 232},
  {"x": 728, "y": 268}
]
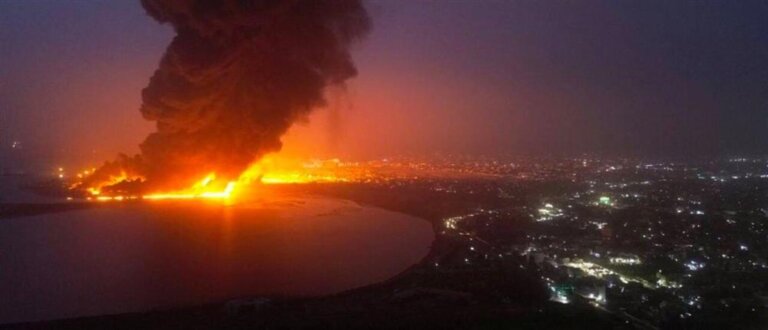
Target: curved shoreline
[
  {"x": 282, "y": 297},
  {"x": 19, "y": 210},
  {"x": 430, "y": 253}
]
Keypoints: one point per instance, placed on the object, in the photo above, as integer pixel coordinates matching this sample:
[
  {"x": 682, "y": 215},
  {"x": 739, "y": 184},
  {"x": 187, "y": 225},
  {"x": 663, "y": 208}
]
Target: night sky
[{"x": 647, "y": 78}]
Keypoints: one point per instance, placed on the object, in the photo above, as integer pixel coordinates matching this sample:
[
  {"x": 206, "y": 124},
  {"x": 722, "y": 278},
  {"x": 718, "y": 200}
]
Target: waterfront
[{"x": 143, "y": 256}]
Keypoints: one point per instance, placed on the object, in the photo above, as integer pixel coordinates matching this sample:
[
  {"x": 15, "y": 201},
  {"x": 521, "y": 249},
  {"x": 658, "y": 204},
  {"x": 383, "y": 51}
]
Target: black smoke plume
[{"x": 235, "y": 77}]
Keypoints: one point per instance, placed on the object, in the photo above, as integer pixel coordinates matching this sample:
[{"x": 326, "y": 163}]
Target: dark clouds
[
  {"x": 619, "y": 77},
  {"x": 237, "y": 75}
]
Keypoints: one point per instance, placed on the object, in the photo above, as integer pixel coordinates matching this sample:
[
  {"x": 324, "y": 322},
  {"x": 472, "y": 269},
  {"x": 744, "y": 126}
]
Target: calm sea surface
[{"x": 142, "y": 256}]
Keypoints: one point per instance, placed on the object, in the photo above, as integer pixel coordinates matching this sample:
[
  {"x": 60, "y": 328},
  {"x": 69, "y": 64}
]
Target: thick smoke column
[{"x": 235, "y": 77}]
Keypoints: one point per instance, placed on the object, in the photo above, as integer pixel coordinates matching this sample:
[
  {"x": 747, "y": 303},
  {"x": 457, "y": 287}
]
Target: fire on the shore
[{"x": 269, "y": 170}]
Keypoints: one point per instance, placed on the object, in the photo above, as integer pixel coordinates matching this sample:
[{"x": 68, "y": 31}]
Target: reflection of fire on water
[{"x": 269, "y": 170}]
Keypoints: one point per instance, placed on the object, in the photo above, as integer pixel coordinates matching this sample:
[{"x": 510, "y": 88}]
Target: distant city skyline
[{"x": 557, "y": 77}]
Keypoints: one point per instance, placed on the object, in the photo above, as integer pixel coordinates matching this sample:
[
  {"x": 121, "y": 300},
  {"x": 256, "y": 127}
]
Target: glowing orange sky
[{"x": 461, "y": 77}]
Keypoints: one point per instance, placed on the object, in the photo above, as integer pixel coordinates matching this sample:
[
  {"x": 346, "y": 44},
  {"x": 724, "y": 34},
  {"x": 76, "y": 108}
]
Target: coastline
[
  {"x": 15, "y": 211},
  {"x": 420, "y": 296}
]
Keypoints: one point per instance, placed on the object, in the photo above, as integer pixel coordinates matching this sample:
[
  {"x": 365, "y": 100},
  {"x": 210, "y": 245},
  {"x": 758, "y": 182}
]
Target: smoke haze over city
[{"x": 634, "y": 78}]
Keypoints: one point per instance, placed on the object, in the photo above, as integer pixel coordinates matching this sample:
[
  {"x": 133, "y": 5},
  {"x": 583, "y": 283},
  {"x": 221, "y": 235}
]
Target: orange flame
[
  {"x": 95, "y": 190},
  {"x": 275, "y": 170},
  {"x": 201, "y": 189},
  {"x": 269, "y": 170}
]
